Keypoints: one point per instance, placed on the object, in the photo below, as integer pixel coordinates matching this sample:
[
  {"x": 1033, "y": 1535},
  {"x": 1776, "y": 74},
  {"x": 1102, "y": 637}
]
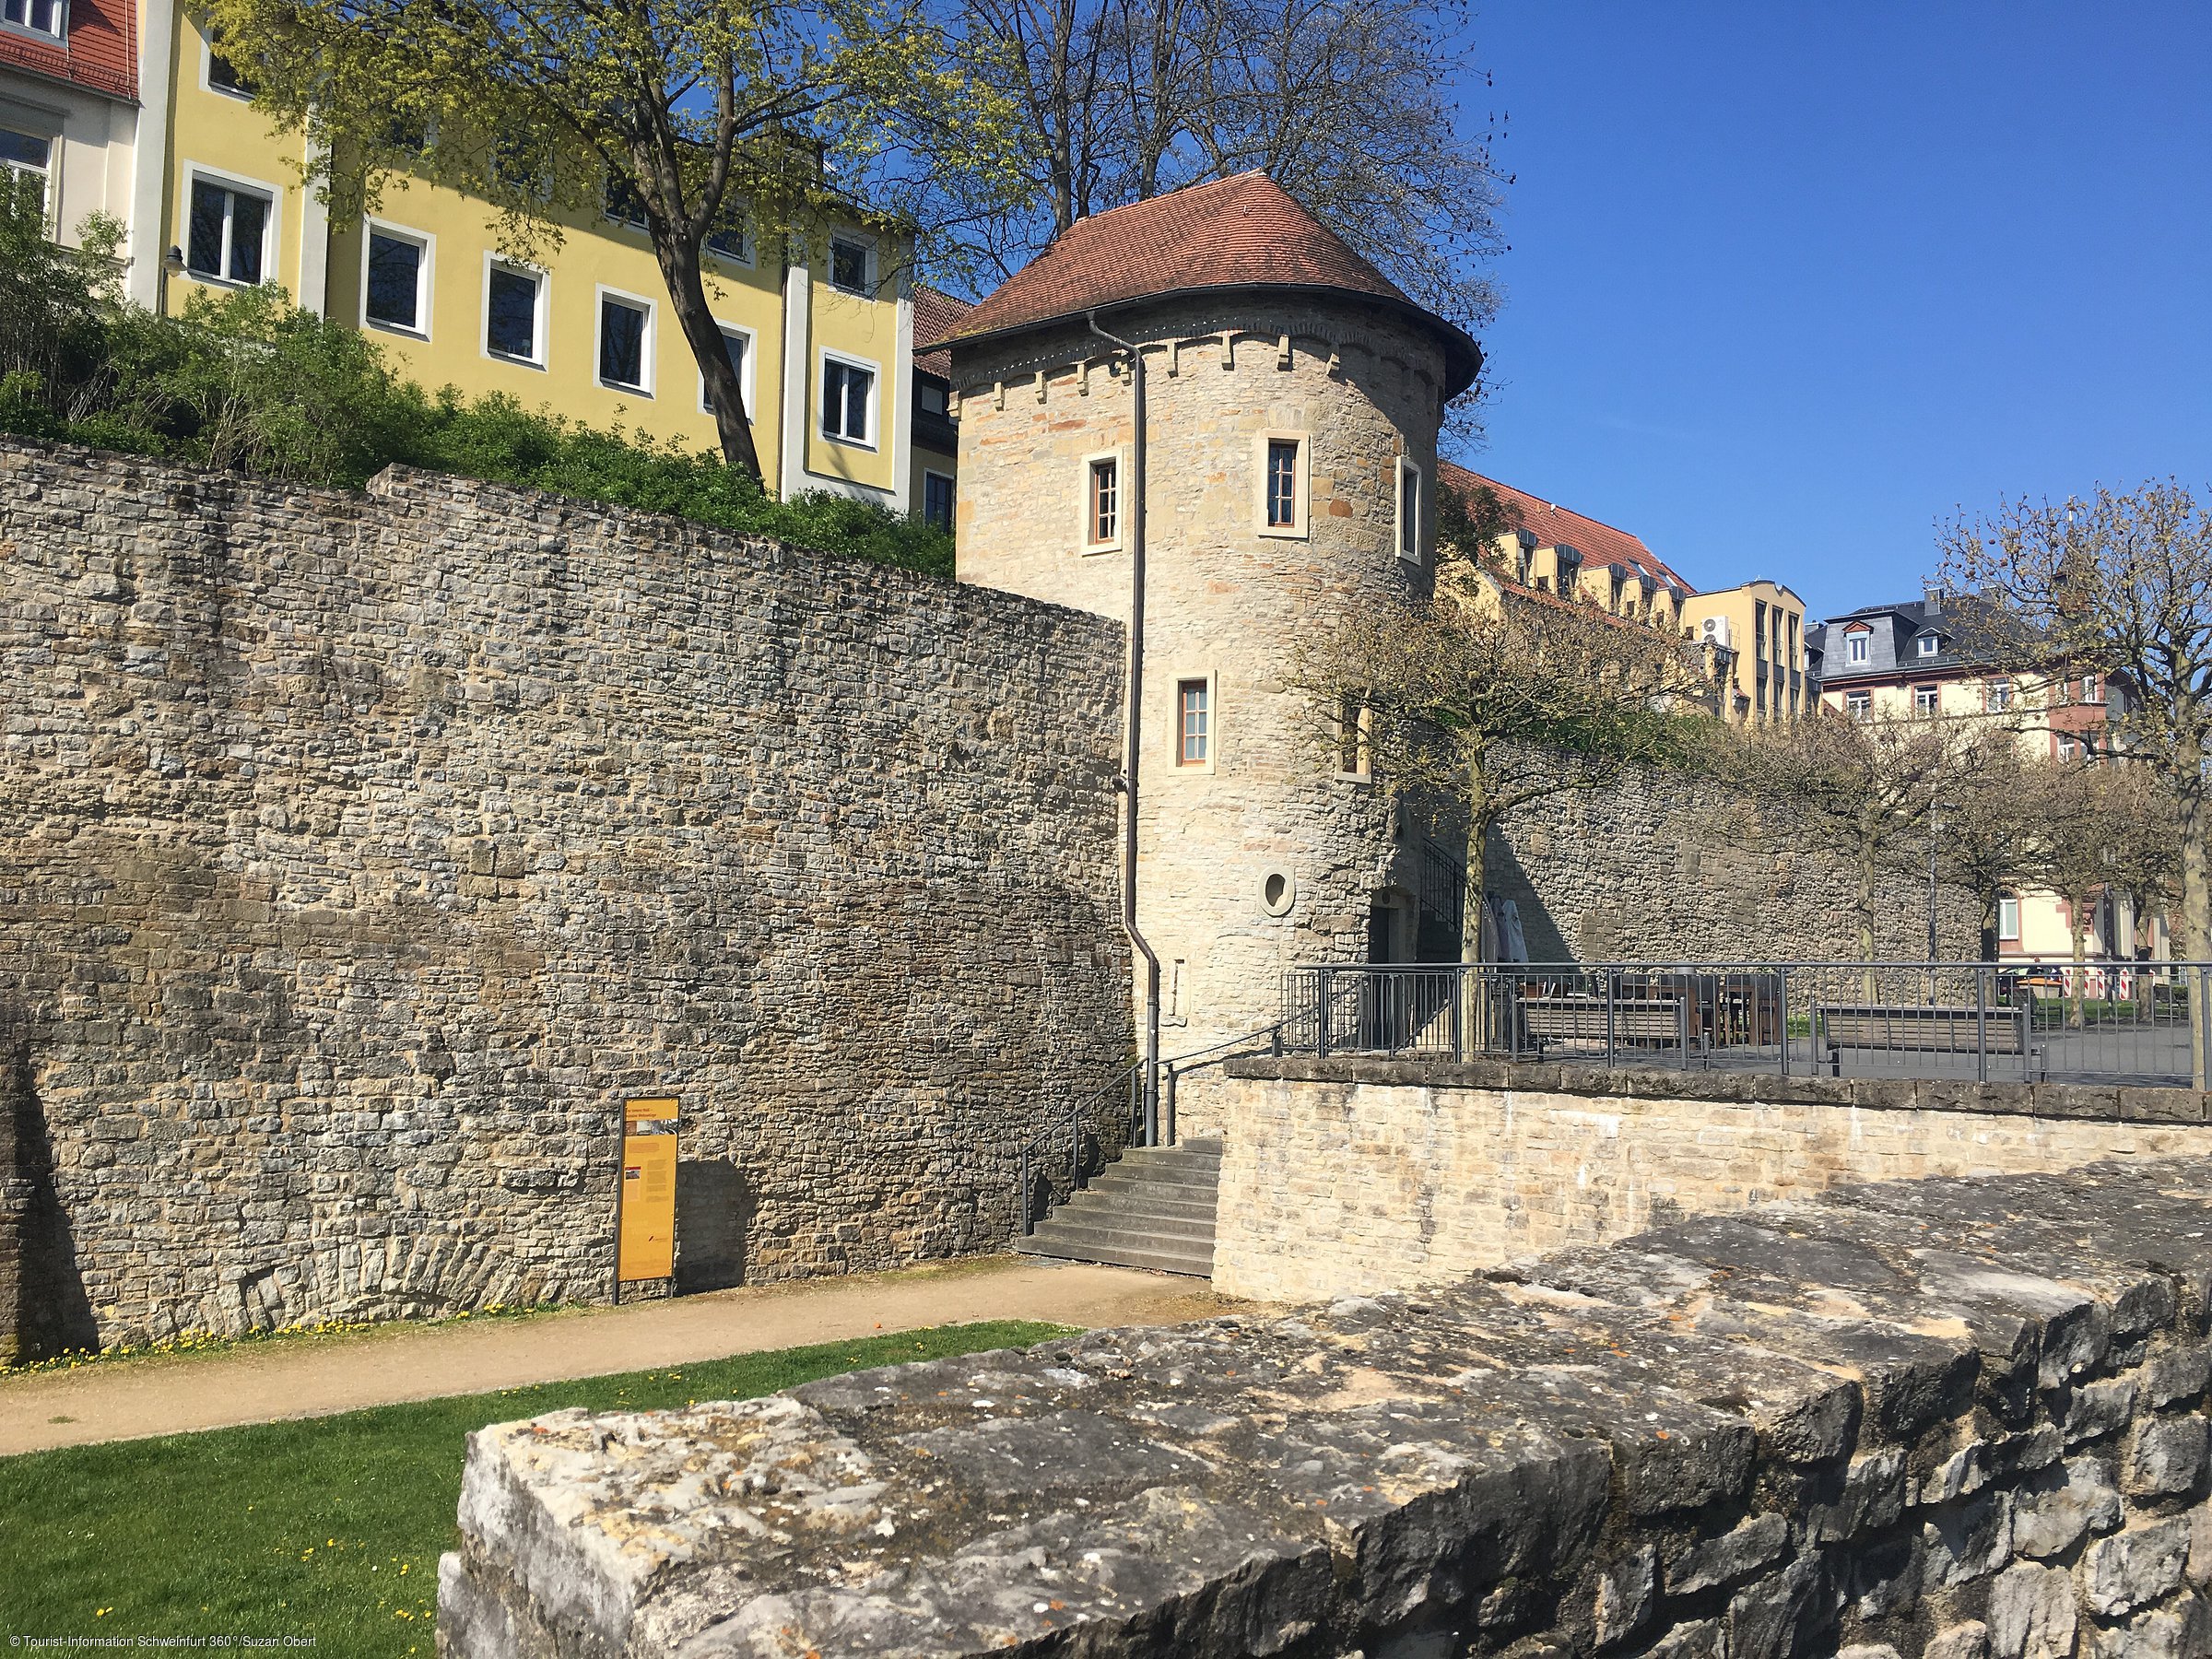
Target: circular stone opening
[{"x": 1278, "y": 892}]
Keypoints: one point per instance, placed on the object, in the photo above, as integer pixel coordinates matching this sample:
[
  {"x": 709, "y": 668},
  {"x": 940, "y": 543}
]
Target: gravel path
[{"x": 131, "y": 1399}]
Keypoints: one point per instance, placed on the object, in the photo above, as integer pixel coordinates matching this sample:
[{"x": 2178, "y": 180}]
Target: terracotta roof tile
[
  {"x": 1599, "y": 543},
  {"x": 936, "y": 314},
  {"x": 1237, "y": 232}
]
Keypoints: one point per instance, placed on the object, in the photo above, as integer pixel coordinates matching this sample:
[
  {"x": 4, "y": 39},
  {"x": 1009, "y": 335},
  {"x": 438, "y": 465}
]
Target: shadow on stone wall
[
  {"x": 713, "y": 1213},
  {"x": 43, "y": 1309}
]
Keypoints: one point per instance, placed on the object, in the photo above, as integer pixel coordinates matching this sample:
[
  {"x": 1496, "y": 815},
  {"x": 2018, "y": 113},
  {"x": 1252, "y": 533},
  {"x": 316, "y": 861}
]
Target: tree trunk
[
  {"x": 2077, "y": 937},
  {"x": 1987, "y": 895},
  {"x": 1478, "y": 1017},
  {"x": 1863, "y": 905},
  {"x": 725, "y": 390},
  {"x": 2196, "y": 928}
]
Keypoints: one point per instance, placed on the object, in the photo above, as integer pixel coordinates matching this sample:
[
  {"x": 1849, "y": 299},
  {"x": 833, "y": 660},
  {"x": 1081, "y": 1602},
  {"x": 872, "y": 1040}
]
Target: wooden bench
[
  {"x": 1937, "y": 1029},
  {"x": 1584, "y": 1018}
]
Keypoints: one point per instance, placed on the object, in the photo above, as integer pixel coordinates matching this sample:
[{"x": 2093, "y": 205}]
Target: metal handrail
[
  {"x": 2101, "y": 1016},
  {"x": 1127, "y": 1078}
]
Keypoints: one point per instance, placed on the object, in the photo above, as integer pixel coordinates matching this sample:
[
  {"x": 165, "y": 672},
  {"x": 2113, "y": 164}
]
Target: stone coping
[{"x": 2109, "y": 1101}]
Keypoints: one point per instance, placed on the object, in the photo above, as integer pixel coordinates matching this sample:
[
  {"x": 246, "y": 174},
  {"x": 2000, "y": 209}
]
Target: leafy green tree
[{"x": 699, "y": 116}]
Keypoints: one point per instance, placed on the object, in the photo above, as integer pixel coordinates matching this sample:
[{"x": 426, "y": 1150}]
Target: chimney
[{"x": 1930, "y": 596}]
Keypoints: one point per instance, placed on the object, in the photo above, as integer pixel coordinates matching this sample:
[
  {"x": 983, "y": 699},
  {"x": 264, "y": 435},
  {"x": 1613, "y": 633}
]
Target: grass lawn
[{"x": 328, "y": 1528}]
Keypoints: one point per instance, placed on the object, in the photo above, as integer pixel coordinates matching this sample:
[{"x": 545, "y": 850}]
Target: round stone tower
[{"x": 1281, "y": 477}]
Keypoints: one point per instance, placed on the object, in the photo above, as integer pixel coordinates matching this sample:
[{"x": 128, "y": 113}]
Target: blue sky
[{"x": 1791, "y": 282}]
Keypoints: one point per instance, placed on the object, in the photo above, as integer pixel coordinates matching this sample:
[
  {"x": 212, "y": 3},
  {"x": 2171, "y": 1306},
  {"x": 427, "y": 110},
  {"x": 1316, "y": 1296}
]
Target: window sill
[
  {"x": 854, "y": 443},
  {"x": 517, "y": 362},
  {"x": 622, "y": 391},
  {"x": 211, "y": 280},
  {"x": 401, "y": 329},
  {"x": 1090, "y": 547},
  {"x": 24, "y": 32},
  {"x": 1282, "y": 532},
  {"x": 1192, "y": 768}
]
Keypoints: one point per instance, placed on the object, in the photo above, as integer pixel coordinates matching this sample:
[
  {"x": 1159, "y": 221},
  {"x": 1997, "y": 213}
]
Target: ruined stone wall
[
  {"x": 358, "y": 855},
  {"x": 1344, "y": 1177},
  {"x": 1949, "y": 1419}
]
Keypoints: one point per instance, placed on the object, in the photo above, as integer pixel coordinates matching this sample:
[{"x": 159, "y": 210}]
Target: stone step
[
  {"x": 1130, "y": 1219},
  {"x": 1165, "y": 1201},
  {"x": 1195, "y": 1264},
  {"x": 1197, "y": 1195}
]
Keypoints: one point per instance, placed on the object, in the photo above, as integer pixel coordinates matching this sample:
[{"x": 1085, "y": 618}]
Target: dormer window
[
  {"x": 41, "y": 16},
  {"x": 1854, "y": 647},
  {"x": 1929, "y": 645}
]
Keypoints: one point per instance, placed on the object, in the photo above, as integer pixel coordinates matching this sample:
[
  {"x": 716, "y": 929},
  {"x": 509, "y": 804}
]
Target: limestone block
[
  {"x": 2032, "y": 1613},
  {"x": 2165, "y": 1456},
  {"x": 2135, "y": 1566},
  {"x": 2050, "y": 1513}
]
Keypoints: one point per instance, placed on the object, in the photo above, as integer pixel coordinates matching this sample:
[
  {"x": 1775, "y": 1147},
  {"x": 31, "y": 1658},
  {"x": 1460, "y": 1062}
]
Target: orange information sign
[{"x": 645, "y": 1205}]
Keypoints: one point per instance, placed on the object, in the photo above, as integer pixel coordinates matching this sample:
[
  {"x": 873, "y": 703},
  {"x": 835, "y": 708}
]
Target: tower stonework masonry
[{"x": 1291, "y": 399}]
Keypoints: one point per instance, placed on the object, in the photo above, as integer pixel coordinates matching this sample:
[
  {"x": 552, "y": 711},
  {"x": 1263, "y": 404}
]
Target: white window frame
[
  {"x": 541, "y": 333},
  {"x": 1996, "y": 695},
  {"x": 1397, "y": 516},
  {"x": 272, "y": 229},
  {"x": 866, "y": 244},
  {"x": 823, "y": 358},
  {"x": 423, "y": 240},
  {"x": 1121, "y": 502},
  {"x": 927, "y": 473},
  {"x": 1858, "y": 705},
  {"x": 49, "y": 175},
  {"x": 1927, "y": 701},
  {"x": 745, "y": 375},
  {"x": 1856, "y": 646},
  {"x": 1928, "y": 645},
  {"x": 2008, "y": 902},
  {"x": 207, "y": 84},
  {"x": 1177, "y": 766},
  {"x": 1297, "y": 529},
  {"x": 646, "y": 347},
  {"x": 59, "y": 36}
]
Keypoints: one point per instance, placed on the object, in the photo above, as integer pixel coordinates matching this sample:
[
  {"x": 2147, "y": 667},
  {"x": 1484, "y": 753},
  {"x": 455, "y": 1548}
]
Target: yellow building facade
[
  {"x": 823, "y": 340},
  {"x": 1756, "y": 632}
]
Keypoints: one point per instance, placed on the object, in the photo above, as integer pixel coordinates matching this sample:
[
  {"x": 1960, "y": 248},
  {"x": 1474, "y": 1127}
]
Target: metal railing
[
  {"x": 2019, "y": 1018},
  {"x": 1078, "y": 1142}
]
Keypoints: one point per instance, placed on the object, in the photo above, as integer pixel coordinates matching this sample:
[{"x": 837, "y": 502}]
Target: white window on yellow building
[
  {"x": 1927, "y": 699},
  {"x": 2008, "y": 917},
  {"x": 738, "y": 343},
  {"x": 1999, "y": 695},
  {"x": 848, "y": 399},
  {"x": 231, "y": 231},
  {"x": 514, "y": 312},
  {"x": 1859, "y": 705},
  {"x": 39, "y": 17},
  {"x": 849, "y": 261},
  {"x": 26, "y": 162},
  {"x": 395, "y": 280},
  {"x": 624, "y": 353}
]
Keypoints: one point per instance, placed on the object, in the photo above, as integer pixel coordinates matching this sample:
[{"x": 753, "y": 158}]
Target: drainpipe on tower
[{"x": 1134, "y": 696}]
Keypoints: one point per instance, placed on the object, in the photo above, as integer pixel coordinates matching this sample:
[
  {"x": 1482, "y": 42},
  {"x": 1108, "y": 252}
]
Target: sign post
[{"x": 646, "y": 1196}]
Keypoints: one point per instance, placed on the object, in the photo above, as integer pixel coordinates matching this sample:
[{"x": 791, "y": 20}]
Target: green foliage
[
  {"x": 246, "y": 379},
  {"x": 328, "y": 1528}
]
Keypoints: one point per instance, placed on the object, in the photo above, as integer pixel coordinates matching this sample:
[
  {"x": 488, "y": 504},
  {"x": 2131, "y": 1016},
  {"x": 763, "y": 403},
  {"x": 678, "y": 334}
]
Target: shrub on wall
[{"x": 245, "y": 379}]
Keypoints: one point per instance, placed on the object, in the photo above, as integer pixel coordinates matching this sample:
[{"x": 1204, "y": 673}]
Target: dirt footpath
[{"x": 134, "y": 1398}]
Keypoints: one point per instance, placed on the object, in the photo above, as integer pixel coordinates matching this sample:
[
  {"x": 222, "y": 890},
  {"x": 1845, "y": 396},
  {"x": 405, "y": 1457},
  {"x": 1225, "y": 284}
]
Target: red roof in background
[
  {"x": 1244, "y": 231},
  {"x": 101, "y": 54},
  {"x": 936, "y": 314},
  {"x": 1599, "y": 543}
]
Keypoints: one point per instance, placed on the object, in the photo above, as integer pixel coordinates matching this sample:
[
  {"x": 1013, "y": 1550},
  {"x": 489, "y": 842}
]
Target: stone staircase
[{"x": 1154, "y": 1208}]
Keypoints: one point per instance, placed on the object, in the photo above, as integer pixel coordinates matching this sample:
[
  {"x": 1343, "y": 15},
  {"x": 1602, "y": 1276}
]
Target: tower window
[
  {"x": 1193, "y": 722},
  {"x": 1282, "y": 483},
  {"x": 1102, "y": 501},
  {"x": 1409, "y": 514}
]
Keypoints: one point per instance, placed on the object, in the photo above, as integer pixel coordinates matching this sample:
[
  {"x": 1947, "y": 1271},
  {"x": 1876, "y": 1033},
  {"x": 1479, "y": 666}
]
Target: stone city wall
[
  {"x": 1344, "y": 1177},
  {"x": 1950, "y": 1419},
  {"x": 1666, "y": 866},
  {"x": 358, "y": 855}
]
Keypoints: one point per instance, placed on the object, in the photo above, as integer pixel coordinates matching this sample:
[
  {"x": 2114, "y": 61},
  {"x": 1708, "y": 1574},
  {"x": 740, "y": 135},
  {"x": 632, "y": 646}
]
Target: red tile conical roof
[{"x": 1244, "y": 231}]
